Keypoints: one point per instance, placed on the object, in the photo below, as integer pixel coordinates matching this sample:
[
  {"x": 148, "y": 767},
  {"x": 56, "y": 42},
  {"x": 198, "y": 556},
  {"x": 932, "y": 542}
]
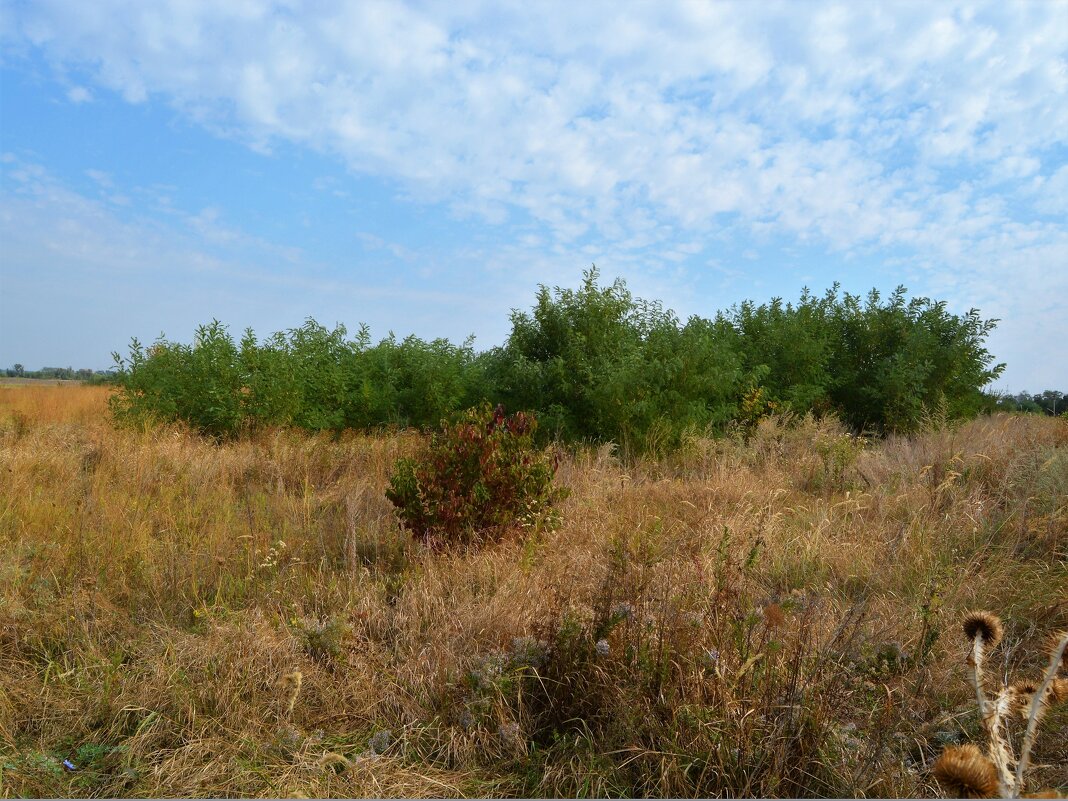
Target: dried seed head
[
  {"x": 292, "y": 681},
  {"x": 774, "y": 616},
  {"x": 1059, "y": 691},
  {"x": 964, "y": 771},
  {"x": 1023, "y": 694},
  {"x": 1023, "y": 690},
  {"x": 985, "y": 624}
]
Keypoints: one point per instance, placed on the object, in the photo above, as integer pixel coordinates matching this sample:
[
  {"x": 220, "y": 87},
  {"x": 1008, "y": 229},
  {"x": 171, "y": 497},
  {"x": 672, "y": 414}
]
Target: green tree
[{"x": 597, "y": 364}]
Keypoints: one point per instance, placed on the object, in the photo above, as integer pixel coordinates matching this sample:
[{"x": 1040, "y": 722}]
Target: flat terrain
[
  {"x": 771, "y": 617},
  {"x": 37, "y": 382}
]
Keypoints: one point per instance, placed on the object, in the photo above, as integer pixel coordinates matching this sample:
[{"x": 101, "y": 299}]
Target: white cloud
[
  {"x": 1052, "y": 193},
  {"x": 702, "y": 108},
  {"x": 79, "y": 94}
]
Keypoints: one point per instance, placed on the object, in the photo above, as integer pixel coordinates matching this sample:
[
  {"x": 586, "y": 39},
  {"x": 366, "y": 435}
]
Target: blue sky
[{"x": 422, "y": 167}]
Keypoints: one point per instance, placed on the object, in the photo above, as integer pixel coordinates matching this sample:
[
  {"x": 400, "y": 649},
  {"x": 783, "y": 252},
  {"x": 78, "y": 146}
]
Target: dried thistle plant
[
  {"x": 1058, "y": 660},
  {"x": 965, "y": 771}
]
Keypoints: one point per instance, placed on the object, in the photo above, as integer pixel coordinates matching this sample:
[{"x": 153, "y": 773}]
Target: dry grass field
[{"x": 776, "y": 617}]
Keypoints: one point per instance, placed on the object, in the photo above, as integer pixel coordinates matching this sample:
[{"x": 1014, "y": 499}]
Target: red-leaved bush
[{"x": 479, "y": 477}]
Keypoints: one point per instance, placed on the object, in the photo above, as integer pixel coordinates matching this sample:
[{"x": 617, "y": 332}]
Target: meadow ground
[{"x": 775, "y": 617}]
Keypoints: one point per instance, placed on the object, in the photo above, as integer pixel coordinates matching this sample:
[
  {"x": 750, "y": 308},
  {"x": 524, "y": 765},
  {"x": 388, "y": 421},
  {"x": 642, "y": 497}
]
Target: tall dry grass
[
  {"x": 776, "y": 617},
  {"x": 46, "y": 402}
]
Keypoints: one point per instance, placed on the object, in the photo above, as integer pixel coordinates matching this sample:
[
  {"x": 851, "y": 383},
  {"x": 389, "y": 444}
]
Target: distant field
[
  {"x": 770, "y": 618},
  {"x": 21, "y": 382},
  {"x": 42, "y": 401}
]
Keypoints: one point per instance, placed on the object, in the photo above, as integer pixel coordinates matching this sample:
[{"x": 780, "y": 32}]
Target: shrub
[
  {"x": 598, "y": 364},
  {"x": 876, "y": 362},
  {"x": 199, "y": 384},
  {"x": 480, "y": 476}
]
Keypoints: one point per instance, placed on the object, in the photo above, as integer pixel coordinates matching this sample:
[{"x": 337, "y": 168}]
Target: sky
[{"x": 422, "y": 167}]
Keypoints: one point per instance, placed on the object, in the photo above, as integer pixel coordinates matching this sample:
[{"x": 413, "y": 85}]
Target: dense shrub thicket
[{"x": 593, "y": 363}]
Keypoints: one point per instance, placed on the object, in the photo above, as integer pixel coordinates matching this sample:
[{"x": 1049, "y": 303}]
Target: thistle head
[
  {"x": 1025, "y": 687},
  {"x": 983, "y": 624},
  {"x": 964, "y": 771},
  {"x": 1059, "y": 691},
  {"x": 1023, "y": 692}
]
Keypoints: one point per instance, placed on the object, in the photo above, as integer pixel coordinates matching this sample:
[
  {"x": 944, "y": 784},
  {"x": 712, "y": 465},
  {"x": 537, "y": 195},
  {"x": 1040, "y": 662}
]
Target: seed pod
[
  {"x": 985, "y": 624},
  {"x": 964, "y": 771}
]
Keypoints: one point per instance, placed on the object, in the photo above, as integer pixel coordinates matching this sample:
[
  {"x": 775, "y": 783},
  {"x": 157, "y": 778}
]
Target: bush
[
  {"x": 877, "y": 363},
  {"x": 599, "y": 365},
  {"x": 200, "y": 384},
  {"x": 480, "y": 476}
]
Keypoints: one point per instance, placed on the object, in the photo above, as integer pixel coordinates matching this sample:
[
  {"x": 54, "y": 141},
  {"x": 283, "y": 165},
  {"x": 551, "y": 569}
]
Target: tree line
[
  {"x": 593, "y": 363},
  {"x": 1051, "y": 402},
  {"x": 59, "y": 373}
]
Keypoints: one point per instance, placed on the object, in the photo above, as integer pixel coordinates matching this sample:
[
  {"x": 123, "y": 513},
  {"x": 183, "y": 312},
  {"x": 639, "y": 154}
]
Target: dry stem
[{"x": 1038, "y": 701}]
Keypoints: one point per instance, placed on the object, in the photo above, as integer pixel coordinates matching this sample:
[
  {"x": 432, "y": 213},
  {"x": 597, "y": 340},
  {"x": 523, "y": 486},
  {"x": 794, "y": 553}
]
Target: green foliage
[
  {"x": 1051, "y": 402},
  {"x": 414, "y": 383},
  {"x": 58, "y": 374},
  {"x": 789, "y": 346},
  {"x": 594, "y": 364},
  {"x": 199, "y": 383},
  {"x": 311, "y": 377},
  {"x": 479, "y": 476},
  {"x": 877, "y": 364}
]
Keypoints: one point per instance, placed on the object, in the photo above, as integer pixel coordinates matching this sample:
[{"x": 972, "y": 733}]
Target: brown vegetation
[{"x": 779, "y": 617}]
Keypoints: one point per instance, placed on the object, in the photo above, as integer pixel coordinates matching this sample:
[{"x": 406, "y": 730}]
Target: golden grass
[
  {"x": 52, "y": 403},
  {"x": 789, "y": 620}
]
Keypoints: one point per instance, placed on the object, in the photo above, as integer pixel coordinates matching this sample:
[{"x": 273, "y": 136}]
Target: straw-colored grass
[
  {"x": 51, "y": 402},
  {"x": 781, "y": 617}
]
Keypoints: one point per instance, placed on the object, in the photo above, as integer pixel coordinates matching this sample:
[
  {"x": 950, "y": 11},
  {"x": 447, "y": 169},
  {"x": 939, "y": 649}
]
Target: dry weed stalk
[
  {"x": 332, "y": 760},
  {"x": 964, "y": 771},
  {"x": 291, "y": 682},
  {"x": 1041, "y": 699}
]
